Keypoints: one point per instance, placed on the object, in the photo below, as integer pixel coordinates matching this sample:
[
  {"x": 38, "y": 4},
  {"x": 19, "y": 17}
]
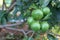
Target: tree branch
[
  {"x": 9, "y": 25},
  {"x": 11, "y": 7}
]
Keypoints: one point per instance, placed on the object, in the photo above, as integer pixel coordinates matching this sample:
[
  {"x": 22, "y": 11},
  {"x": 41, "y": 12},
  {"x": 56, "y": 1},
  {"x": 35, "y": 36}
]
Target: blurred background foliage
[{"x": 23, "y": 8}]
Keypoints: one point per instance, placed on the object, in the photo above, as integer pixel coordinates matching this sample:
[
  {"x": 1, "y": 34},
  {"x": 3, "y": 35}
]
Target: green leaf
[
  {"x": 45, "y": 3},
  {"x": 58, "y": 6},
  {"x": 51, "y": 37},
  {"x": 47, "y": 16},
  {"x": 33, "y": 6},
  {"x": 25, "y": 38},
  {"x": 18, "y": 2},
  {"x": 15, "y": 10},
  {"x": 2, "y": 15},
  {"x": 3, "y": 21},
  {"x": 27, "y": 13},
  {"x": 41, "y": 2},
  {"x": 30, "y": 38},
  {"x": 44, "y": 38}
]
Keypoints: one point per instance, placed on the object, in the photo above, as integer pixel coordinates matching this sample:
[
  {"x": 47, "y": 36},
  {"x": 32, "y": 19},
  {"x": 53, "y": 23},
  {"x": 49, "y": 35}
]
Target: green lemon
[
  {"x": 30, "y": 20},
  {"x": 35, "y": 26},
  {"x": 37, "y": 14},
  {"x": 44, "y": 26},
  {"x": 46, "y": 10}
]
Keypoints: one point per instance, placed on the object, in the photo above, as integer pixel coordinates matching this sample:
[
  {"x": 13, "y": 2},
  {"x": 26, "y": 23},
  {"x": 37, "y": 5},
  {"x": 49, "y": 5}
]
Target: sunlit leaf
[{"x": 51, "y": 37}]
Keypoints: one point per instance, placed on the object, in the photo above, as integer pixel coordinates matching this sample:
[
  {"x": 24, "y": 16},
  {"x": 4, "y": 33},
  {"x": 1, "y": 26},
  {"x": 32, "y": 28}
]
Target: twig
[
  {"x": 29, "y": 31},
  {"x": 32, "y": 34},
  {"x": 15, "y": 30},
  {"x": 19, "y": 30},
  {"x": 11, "y": 7},
  {"x": 9, "y": 25},
  {"x": 24, "y": 33}
]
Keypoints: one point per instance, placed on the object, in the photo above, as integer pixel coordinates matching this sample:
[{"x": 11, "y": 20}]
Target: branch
[
  {"x": 9, "y": 25},
  {"x": 18, "y": 30},
  {"x": 29, "y": 31},
  {"x": 11, "y": 7}
]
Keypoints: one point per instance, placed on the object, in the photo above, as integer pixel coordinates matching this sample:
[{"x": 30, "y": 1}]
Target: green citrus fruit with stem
[
  {"x": 35, "y": 26},
  {"x": 30, "y": 20},
  {"x": 46, "y": 10},
  {"x": 37, "y": 14},
  {"x": 44, "y": 26}
]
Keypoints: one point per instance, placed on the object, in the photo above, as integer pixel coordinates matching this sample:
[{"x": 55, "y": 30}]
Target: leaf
[
  {"x": 47, "y": 16},
  {"x": 3, "y": 21},
  {"x": 51, "y": 37},
  {"x": 45, "y": 3},
  {"x": 44, "y": 38},
  {"x": 41, "y": 2},
  {"x": 25, "y": 38},
  {"x": 2, "y": 13},
  {"x": 21, "y": 17},
  {"x": 27, "y": 13},
  {"x": 15, "y": 10},
  {"x": 33, "y": 6},
  {"x": 25, "y": 0},
  {"x": 19, "y": 3},
  {"x": 30, "y": 38},
  {"x": 58, "y": 6},
  {"x": 2, "y": 17}
]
